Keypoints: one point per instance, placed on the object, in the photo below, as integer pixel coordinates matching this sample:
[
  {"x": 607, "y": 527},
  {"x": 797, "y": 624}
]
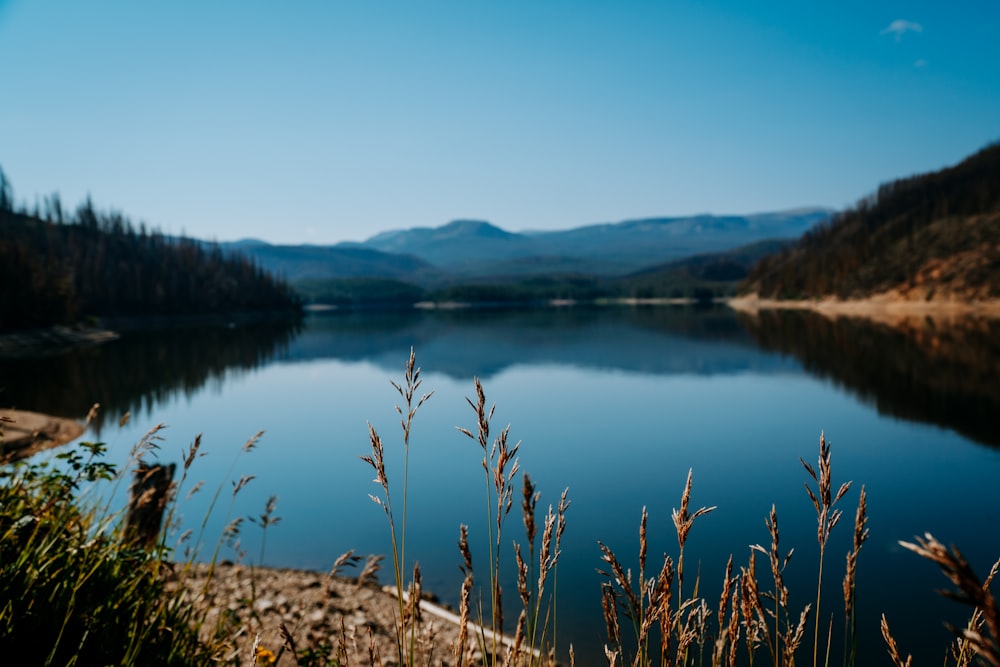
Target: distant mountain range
[
  {"x": 465, "y": 249},
  {"x": 302, "y": 262}
]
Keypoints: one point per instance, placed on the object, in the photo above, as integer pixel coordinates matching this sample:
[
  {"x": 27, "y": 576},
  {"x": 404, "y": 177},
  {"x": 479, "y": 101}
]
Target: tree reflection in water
[
  {"x": 942, "y": 372},
  {"x": 140, "y": 370}
]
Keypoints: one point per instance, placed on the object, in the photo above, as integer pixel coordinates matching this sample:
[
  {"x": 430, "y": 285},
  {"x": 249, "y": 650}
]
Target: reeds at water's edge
[
  {"x": 659, "y": 618},
  {"x": 654, "y": 610},
  {"x": 481, "y": 632}
]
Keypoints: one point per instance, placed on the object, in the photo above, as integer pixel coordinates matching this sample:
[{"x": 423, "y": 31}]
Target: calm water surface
[{"x": 616, "y": 404}]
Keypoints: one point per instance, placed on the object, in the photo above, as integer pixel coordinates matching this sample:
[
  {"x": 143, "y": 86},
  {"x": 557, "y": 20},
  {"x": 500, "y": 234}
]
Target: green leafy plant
[{"x": 82, "y": 593}]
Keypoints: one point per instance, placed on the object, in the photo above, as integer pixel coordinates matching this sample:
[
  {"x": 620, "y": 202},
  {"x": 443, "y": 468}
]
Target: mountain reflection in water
[
  {"x": 484, "y": 342},
  {"x": 942, "y": 373},
  {"x": 617, "y": 403}
]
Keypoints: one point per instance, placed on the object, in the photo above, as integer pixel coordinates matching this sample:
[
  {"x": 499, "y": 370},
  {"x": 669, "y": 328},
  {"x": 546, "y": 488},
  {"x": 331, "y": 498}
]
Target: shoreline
[
  {"x": 318, "y": 609},
  {"x": 26, "y": 433},
  {"x": 45, "y": 340},
  {"x": 26, "y": 342},
  {"x": 891, "y": 308}
]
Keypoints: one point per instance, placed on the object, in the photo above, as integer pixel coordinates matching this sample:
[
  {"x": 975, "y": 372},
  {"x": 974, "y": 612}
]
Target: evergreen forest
[{"x": 60, "y": 267}]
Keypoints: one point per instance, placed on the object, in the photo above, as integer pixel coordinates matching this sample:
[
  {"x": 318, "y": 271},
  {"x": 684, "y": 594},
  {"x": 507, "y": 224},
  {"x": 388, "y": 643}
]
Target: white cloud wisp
[{"x": 900, "y": 27}]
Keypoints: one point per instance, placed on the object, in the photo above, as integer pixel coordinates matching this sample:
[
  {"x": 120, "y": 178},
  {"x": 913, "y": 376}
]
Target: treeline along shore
[
  {"x": 61, "y": 267},
  {"x": 931, "y": 238}
]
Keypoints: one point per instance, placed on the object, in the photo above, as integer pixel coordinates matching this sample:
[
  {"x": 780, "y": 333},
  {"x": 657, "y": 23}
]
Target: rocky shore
[{"x": 322, "y": 613}]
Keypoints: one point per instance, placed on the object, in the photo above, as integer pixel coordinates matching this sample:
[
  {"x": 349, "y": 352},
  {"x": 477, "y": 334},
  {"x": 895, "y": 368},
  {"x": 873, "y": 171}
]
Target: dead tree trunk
[{"x": 149, "y": 494}]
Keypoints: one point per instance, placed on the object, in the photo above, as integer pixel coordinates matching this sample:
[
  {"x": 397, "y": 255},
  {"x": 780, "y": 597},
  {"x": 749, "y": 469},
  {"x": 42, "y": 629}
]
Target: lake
[{"x": 616, "y": 404}]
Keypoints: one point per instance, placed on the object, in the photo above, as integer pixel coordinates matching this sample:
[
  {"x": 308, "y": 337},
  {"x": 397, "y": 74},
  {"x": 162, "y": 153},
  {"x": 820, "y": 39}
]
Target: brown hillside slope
[{"x": 933, "y": 237}]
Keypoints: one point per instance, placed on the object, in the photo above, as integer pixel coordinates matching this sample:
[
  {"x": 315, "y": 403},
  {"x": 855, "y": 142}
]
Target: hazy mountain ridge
[
  {"x": 476, "y": 249},
  {"x": 451, "y": 230},
  {"x": 456, "y": 244},
  {"x": 616, "y": 248},
  {"x": 702, "y": 276},
  {"x": 926, "y": 237},
  {"x": 732, "y": 264},
  {"x": 300, "y": 262}
]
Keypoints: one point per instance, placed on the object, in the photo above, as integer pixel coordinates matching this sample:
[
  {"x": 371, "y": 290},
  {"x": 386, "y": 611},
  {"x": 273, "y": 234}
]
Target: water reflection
[
  {"x": 140, "y": 370},
  {"x": 615, "y": 403},
  {"x": 942, "y": 373},
  {"x": 464, "y": 343},
  {"x": 932, "y": 371}
]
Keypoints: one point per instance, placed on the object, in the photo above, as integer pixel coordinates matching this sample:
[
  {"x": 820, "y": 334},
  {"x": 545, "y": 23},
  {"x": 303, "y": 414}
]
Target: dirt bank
[
  {"x": 319, "y": 612},
  {"x": 25, "y": 433},
  {"x": 892, "y": 308}
]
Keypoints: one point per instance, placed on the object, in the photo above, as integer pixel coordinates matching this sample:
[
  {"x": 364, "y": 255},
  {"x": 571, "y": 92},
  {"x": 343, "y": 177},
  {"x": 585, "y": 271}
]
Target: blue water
[{"x": 615, "y": 405}]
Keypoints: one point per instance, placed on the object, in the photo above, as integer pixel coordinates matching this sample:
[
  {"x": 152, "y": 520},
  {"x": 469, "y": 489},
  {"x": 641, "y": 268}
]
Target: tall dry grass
[
  {"x": 407, "y": 627},
  {"x": 979, "y": 641},
  {"x": 827, "y": 518},
  {"x": 482, "y": 623},
  {"x": 657, "y": 616},
  {"x": 534, "y": 639},
  {"x": 71, "y": 576}
]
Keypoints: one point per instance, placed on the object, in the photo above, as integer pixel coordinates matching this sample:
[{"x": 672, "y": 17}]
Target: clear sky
[{"x": 333, "y": 120}]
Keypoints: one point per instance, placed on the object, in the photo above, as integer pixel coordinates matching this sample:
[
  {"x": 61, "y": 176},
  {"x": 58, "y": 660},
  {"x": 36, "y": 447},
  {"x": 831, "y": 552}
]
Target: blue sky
[{"x": 327, "y": 121}]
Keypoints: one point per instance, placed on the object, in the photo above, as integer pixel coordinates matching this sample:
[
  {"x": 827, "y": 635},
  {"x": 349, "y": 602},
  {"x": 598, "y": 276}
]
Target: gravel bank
[{"x": 319, "y": 611}]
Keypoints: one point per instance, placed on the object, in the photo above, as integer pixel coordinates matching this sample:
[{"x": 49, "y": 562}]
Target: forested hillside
[
  {"x": 926, "y": 237},
  {"x": 60, "y": 267}
]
